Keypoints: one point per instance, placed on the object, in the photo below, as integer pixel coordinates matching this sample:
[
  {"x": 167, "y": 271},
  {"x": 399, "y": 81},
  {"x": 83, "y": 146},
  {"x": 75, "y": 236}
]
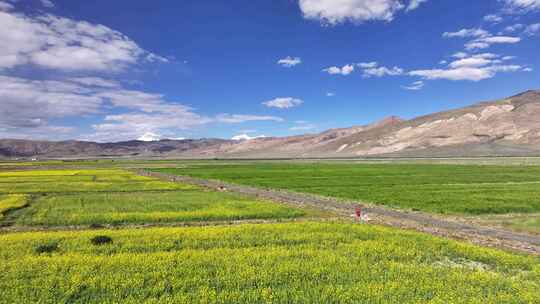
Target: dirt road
[{"x": 441, "y": 226}]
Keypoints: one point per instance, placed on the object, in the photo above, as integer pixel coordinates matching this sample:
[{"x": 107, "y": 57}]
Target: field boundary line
[
  {"x": 218, "y": 223},
  {"x": 430, "y": 223}
]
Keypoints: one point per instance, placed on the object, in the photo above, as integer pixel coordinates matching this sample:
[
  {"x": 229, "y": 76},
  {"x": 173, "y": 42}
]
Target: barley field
[{"x": 438, "y": 188}]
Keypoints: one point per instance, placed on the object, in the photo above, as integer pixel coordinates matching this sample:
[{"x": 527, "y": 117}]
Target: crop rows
[
  {"x": 451, "y": 189},
  {"x": 298, "y": 263},
  {"x": 116, "y": 197}
]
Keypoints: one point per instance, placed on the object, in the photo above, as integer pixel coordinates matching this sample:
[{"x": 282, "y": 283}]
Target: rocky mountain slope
[
  {"x": 13, "y": 148},
  {"x": 510, "y": 126}
]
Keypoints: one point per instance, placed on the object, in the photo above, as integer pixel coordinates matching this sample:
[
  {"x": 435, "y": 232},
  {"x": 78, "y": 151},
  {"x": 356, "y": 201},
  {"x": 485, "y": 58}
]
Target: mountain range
[{"x": 506, "y": 127}]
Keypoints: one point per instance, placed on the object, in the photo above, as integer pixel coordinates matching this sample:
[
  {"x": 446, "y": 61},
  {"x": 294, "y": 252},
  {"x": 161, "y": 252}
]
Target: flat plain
[
  {"x": 104, "y": 235},
  {"x": 438, "y": 188},
  {"x": 116, "y": 197},
  {"x": 268, "y": 263}
]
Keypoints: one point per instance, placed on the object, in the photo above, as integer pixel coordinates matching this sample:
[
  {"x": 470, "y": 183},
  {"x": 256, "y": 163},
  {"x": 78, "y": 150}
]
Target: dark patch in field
[
  {"x": 101, "y": 240},
  {"x": 47, "y": 248}
]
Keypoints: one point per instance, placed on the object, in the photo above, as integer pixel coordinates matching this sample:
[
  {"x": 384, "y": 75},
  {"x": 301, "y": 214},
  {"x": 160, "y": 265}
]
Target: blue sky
[{"x": 121, "y": 70}]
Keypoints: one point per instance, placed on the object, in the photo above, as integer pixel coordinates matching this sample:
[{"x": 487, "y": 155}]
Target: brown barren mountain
[{"x": 507, "y": 127}]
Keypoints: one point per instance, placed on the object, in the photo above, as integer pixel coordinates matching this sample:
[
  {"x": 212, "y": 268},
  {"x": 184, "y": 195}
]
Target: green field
[
  {"x": 116, "y": 197},
  {"x": 50, "y": 254},
  {"x": 62, "y": 181},
  {"x": 11, "y": 202},
  {"x": 271, "y": 263},
  {"x": 149, "y": 207},
  {"x": 447, "y": 189}
]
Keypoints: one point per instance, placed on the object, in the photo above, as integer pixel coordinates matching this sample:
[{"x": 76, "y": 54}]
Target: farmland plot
[
  {"x": 446, "y": 189},
  {"x": 150, "y": 207},
  {"x": 116, "y": 197},
  {"x": 279, "y": 263}
]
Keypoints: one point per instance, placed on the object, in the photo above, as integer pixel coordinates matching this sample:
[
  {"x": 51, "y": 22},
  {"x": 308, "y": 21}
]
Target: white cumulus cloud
[
  {"x": 345, "y": 70},
  {"x": 486, "y": 42},
  {"x": 61, "y": 43},
  {"x": 532, "y": 29},
  {"x": 47, "y": 3},
  {"x": 289, "y": 61},
  {"x": 357, "y": 11},
  {"x": 382, "y": 71},
  {"x": 463, "y": 33},
  {"x": 150, "y": 136},
  {"x": 414, "y": 4},
  {"x": 240, "y": 118},
  {"x": 415, "y": 86},
  {"x": 474, "y": 67},
  {"x": 517, "y": 6},
  {"x": 246, "y": 137},
  {"x": 283, "y": 102},
  {"x": 493, "y": 18}
]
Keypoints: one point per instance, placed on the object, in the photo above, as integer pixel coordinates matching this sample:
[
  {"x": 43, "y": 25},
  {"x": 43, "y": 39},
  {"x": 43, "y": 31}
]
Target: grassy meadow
[
  {"x": 268, "y": 263},
  {"x": 438, "y": 188}
]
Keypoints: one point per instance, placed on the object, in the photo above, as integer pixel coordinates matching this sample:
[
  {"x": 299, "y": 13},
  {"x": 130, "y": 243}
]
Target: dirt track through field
[{"x": 437, "y": 225}]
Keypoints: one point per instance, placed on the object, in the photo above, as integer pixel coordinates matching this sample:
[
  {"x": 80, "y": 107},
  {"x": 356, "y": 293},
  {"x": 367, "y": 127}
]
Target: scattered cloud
[
  {"x": 345, "y": 70},
  {"x": 333, "y": 12},
  {"x": 60, "y": 43},
  {"x": 464, "y": 33},
  {"x": 414, "y": 4},
  {"x": 460, "y": 55},
  {"x": 367, "y": 65},
  {"x": 289, "y": 61},
  {"x": 238, "y": 118},
  {"x": 465, "y": 73},
  {"x": 150, "y": 136},
  {"x": 513, "y": 28},
  {"x": 30, "y": 104},
  {"x": 482, "y": 38},
  {"x": 532, "y": 29},
  {"x": 30, "y": 108},
  {"x": 95, "y": 82},
  {"x": 470, "y": 62},
  {"x": 246, "y": 137},
  {"x": 486, "y": 42},
  {"x": 474, "y": 67},
  {"x": 493, "y": 18},
  {"x": 382, "y": 71},
  {"x": 5, "y": 6},
  {"x": 77, "y": 52},
  {"x": 501, "y": 39},
  {"x": 369, "y": 69},
  {"x": 520, "y": 6},
  {"x": 415, "y": 86},
  {"x": 47, "y": 3},
  {"x": 283, "y": 102}
]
